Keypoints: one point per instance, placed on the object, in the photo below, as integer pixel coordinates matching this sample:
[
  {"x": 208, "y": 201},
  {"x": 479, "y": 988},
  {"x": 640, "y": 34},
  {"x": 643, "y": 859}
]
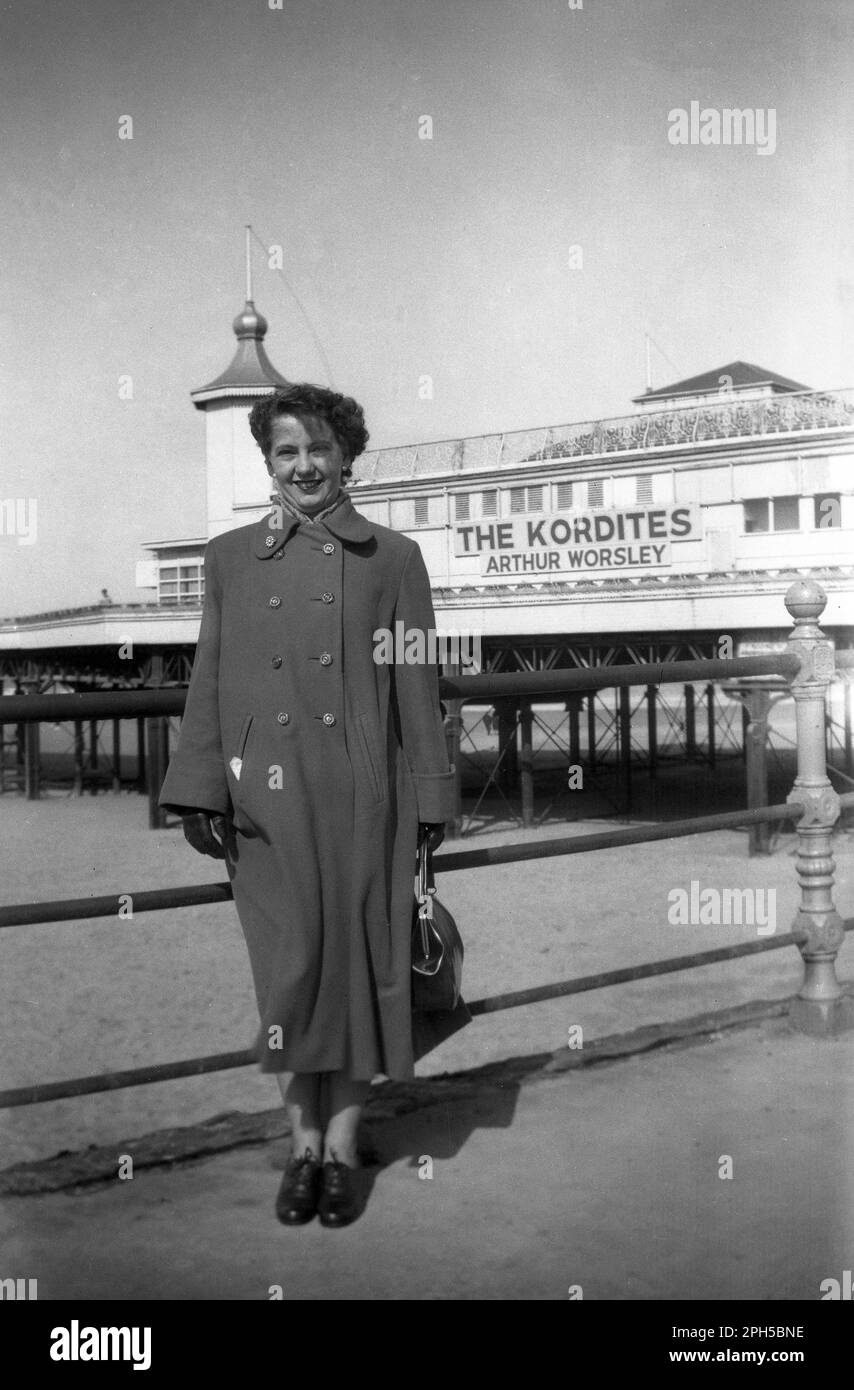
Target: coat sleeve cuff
[
  {"x": 203, "y": 784},
  {"x": 434, "y": 796}
]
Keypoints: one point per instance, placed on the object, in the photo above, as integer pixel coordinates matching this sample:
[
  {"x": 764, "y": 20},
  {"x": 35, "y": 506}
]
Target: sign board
[{"x": 558, "y": 545}]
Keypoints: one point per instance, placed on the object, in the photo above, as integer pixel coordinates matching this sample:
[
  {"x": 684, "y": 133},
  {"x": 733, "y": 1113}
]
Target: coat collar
[{"x": 344, "y": 522}]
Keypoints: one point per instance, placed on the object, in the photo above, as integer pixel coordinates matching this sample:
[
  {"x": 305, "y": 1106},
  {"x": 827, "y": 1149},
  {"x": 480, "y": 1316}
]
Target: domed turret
[
  {"x": 249, "y": 323},
  {"x": 250, "y": 372}
]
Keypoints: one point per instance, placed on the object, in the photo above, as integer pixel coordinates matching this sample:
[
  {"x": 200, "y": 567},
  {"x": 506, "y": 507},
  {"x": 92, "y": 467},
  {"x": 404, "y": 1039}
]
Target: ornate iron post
[{"x": 820, "y": 1006}]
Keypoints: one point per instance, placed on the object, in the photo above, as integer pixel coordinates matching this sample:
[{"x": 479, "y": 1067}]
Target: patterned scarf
[{"x": 280, "y": 500}]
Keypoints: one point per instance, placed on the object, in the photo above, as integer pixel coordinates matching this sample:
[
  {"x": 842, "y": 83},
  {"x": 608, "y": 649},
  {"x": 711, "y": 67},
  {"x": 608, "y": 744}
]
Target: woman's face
[{"x": 306, "y": 460}]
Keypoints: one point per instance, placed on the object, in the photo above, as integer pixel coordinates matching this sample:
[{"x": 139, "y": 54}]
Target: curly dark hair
[{"x": 342, "y": 414}]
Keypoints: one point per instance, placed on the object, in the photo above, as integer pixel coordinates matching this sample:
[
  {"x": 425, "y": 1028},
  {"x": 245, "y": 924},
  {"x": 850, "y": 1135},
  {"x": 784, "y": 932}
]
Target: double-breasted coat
[{"x": 324, "y": 761}]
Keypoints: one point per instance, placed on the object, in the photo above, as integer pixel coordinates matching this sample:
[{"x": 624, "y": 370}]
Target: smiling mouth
[{"x": 310, "y": 485}]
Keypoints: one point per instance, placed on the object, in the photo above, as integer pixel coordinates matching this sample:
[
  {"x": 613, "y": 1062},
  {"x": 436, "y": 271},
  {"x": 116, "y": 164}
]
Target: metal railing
[
  {"x": 818, "y": 930},
  {"x": 726, "y": 418}
]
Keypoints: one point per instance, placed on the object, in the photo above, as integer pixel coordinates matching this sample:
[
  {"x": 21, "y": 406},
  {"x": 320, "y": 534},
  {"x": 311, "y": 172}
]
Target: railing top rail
[
  {"x": 196, "y": 894},
  {"x": 129, "y": 704},
  {"x": 730, "y": 416}
]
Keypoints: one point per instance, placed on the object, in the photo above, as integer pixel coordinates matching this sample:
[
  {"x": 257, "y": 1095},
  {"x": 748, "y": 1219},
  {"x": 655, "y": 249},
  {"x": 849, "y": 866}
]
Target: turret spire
[{"x": 250, "y": 372}]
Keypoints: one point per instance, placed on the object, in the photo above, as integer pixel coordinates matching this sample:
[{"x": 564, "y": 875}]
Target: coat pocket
[
  {"x": 236, "y": 763},
  {"x": 370, "y": 756}
]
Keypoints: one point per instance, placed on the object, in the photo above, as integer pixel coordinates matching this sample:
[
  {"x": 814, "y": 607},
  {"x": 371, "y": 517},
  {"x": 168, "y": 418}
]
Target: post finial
[
  {"x": 805, "y": 600},
  {"x": 248, "y": 263}
]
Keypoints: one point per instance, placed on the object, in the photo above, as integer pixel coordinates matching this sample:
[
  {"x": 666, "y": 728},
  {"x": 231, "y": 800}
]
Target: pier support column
[
  {"x": 79, "y": 749},
  {"x": 710, "y": 720},
  {"x": 625, "y": 725},
  {"x": 141, "y": 783},
  {"x": 32, "y": 757},
  {"x": 526, "y": 761},
  {"x": 508, "y": 773},
  {"x": 591, "y": 730},
  {"x": 93, "y": 756},
  {"x": 820, "y": 1007},
  {"x": 690, "y": 723},
  {"x": 573, "y": 709},
  {"x": 652, "y": 730},
  {"x": 158, "y": 760},
  {"x": 757, "y": 702},
  {"x": 117, "y": 755}
]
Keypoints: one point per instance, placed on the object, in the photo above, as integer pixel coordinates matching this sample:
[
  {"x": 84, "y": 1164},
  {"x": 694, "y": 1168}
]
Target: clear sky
[{"x": 448, "y": 257}]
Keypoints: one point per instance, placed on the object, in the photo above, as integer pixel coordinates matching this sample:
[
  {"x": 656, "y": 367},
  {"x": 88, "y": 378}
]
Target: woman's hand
[
  {"x": 206, "y": 832},
  {"x": 435, "y": 834}
]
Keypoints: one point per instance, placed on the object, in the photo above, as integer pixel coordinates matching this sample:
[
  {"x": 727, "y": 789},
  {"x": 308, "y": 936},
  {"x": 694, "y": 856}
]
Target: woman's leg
[
  {"x": 345, "y": 1100},
  {"x": 301, "y": 1096}
]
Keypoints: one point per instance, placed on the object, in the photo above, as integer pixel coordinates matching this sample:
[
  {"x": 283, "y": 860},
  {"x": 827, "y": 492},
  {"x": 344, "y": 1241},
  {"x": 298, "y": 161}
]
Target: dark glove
[
  {"x": 201, "y": 829},
  {"x": 435, "y": 834}
]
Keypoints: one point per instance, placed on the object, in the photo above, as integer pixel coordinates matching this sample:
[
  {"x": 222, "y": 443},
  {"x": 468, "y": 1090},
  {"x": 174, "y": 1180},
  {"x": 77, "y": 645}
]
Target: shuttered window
[{"x": 526, "y": 499}]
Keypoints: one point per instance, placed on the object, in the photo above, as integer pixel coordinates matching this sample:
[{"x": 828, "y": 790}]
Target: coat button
[
  {"x": 283, "y": 718},
  {"x": 276, "y": 661},
  {"x": 279, "y": 555},
  {"x": 329, "y": 720},
  {"x": 270, "y": 541},
  {"x": 275, "y": 601},
  {"x": 325, "y": 659},
  {"x": 329, "y": 548},
  {"x": 327, "y": 597}
]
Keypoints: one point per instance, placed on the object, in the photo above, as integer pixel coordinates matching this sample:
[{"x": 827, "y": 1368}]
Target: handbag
[{"x": 437, "y": 948}]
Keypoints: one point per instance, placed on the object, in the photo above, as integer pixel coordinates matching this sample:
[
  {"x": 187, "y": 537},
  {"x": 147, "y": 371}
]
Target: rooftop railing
[
  {"x": 729, "y": 418},
  {"x": 821, "y": 1006}
]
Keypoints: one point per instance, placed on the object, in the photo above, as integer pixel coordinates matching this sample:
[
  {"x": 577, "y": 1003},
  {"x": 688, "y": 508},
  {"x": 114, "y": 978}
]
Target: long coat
[{"x": 324, "y": 761}]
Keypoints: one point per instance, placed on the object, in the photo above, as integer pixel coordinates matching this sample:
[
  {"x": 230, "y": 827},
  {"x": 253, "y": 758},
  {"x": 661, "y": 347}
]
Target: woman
[{"x": 309, "y": 767}]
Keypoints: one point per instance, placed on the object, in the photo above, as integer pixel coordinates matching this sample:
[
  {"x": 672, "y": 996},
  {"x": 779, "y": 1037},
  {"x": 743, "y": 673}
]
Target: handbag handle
[{"x": 426, "y": 878}]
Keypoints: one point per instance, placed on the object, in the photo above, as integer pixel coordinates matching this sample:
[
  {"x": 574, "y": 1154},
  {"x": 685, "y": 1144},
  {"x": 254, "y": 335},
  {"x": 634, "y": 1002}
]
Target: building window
[
  {"x": 489, "y": 502},
  {"x": 756, "y": 515},
  {"x": 785, "y": 513},
  {"x": 181, "y": 583},
  {"x": 770, "y": 514},
  {"x": 643, "y": 487},
  {"x": 526, "y": 499},
  {"x": 828, "y": 510},
  {"x": 462, "y": 509},
  {"x": 596, "y": 493},
  {"x": 564, "y": 496},
  {"x": 422, "y": 511}
]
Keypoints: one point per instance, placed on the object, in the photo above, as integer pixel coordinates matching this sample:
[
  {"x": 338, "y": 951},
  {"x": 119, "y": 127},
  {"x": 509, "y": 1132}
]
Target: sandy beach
[{"x": 100, "y": 995}]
